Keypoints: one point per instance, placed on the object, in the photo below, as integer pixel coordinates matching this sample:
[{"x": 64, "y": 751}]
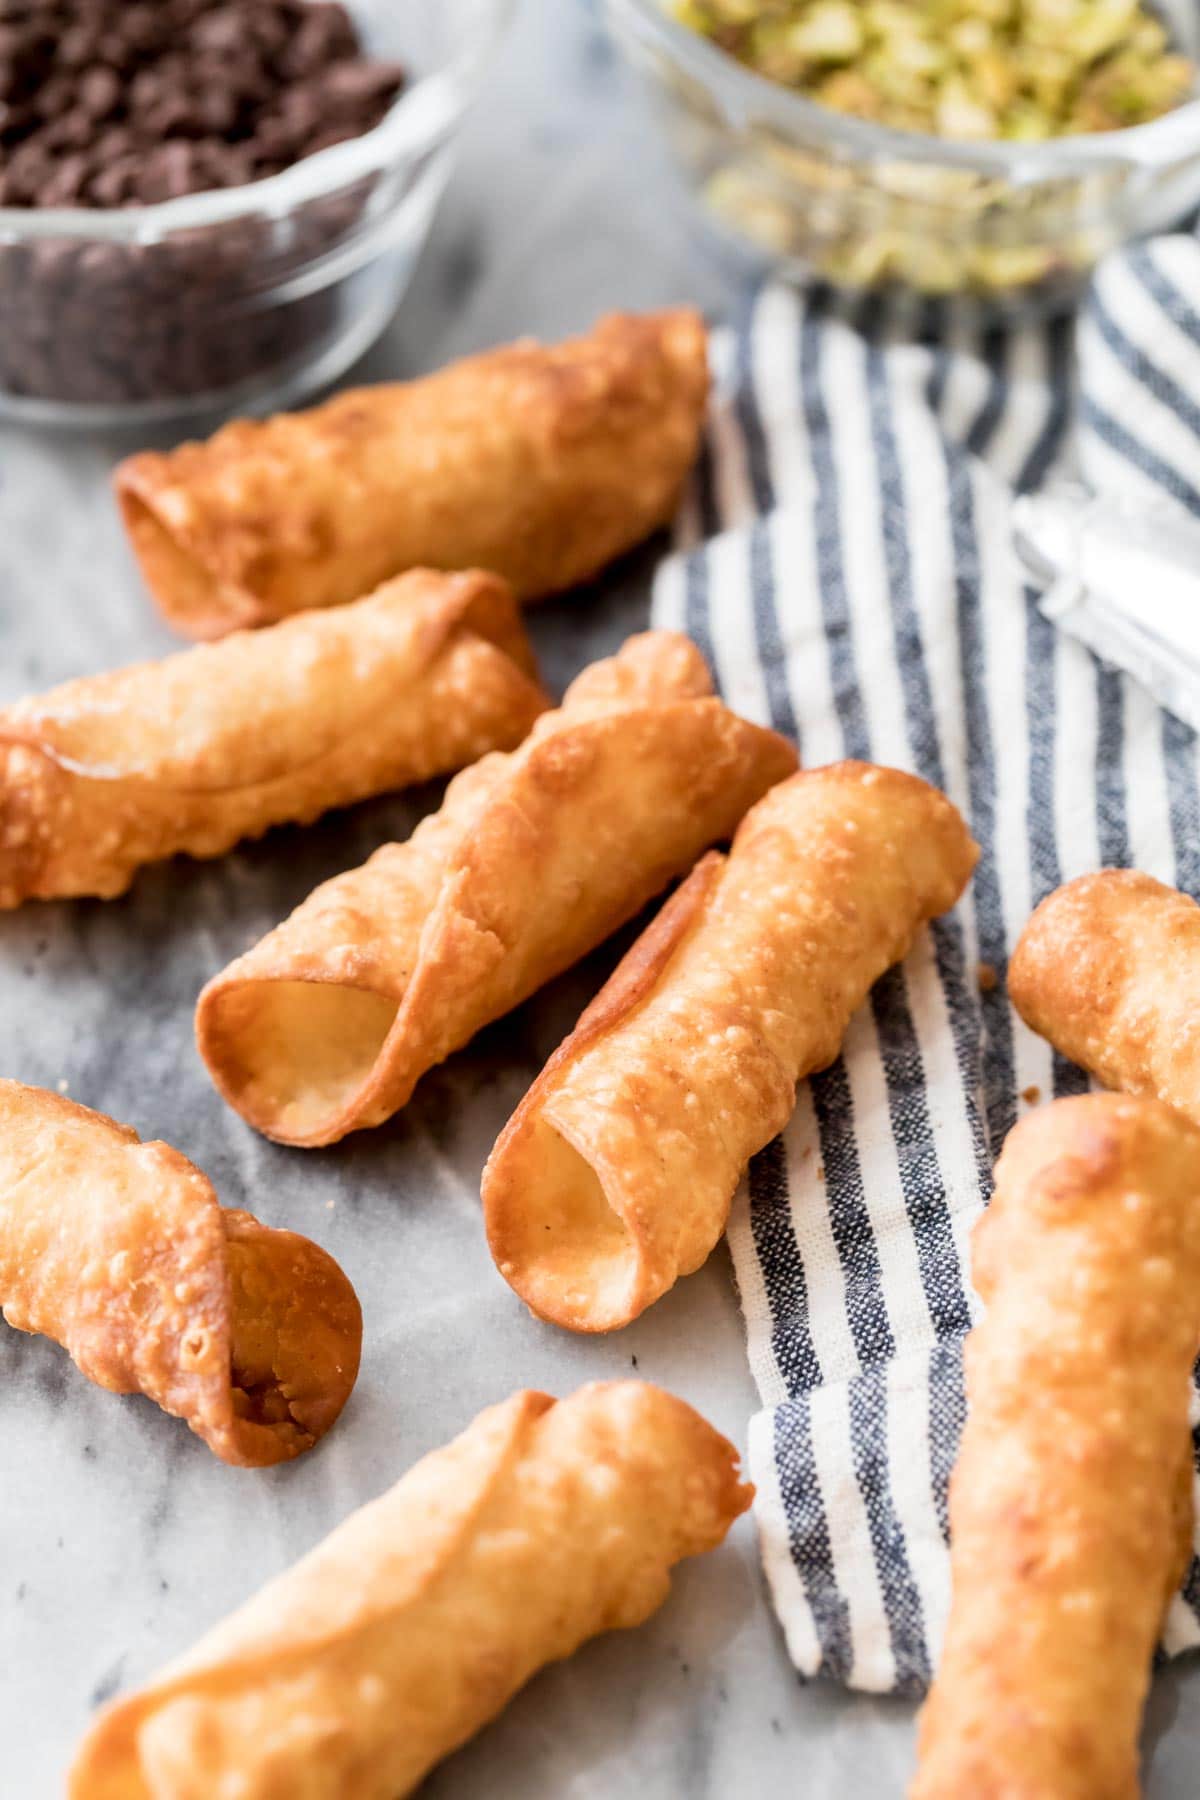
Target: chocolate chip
[
  {"x": 53, "y": 96},
  {"x": 65, "y": 187},
  {"x": 216, "y": 112},
  {"x": 170, "y": 115},
  {"x": 16, "y": 121},
  {"x": 357, "y": 84},
  {"x": 113, "y": 142},
  {"x": 70, "y": 131},
  {"x": 142, "y": 28},
  {"x": 223, "y": 31},
  {"x": 116, "y": 183},
  {"x": 270, "y": 29},
  {"x": 29, "y": 168},
  {"x": 98, "y": 92},
  {"x": 168, "y": 172},
  {"x": 325, "y": 35},
  {"x": 78, "y": 46}
]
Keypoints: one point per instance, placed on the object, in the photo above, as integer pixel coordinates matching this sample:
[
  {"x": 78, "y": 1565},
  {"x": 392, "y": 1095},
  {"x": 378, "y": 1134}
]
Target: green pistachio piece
[
  {"x": 830, "y": 31},
  {"x": 962, "y": 114}
]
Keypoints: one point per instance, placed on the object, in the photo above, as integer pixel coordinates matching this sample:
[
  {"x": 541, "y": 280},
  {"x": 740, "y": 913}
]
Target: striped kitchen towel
[{"x": 844, "y": 559}]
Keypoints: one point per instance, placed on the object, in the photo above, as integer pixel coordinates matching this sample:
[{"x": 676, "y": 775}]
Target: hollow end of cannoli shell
[
  {"x": 191, "y": 596},
  {"x": 556, "y": 1237},
  {"x": 294, "y": 1057}
]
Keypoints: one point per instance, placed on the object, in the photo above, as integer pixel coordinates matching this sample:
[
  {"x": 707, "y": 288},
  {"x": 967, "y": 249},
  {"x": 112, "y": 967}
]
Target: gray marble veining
[{"x": 121, "y": 1538}]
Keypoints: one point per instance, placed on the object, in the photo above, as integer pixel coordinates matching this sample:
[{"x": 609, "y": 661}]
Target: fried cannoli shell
[
  {"x": 534, "y": 858},
  {"x": 121, "y": 1252},
  {"x": 221, "y": 742},
  {"x": 1108, "y": 968},
  {"x": 540, "y": 463},
  {"x": 615, "y": 1175},
  {"x": 1070, "y": 1507},
  {"x": 413, "y": 1624}
]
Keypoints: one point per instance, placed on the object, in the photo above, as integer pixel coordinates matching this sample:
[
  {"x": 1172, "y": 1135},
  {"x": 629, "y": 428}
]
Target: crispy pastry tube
[
  {"x": 326, "y": 1025},
  {"x": 120, "y": 1251},
  {"x": 542, "y": 464},
  {"x": 1070, "y": 1505},
  {"x": 615, "y": 1175},
  {"x": 351, "y": 1675},
  {"x": 219, "y": 743},
  {"x": 1108, "y": 968}
]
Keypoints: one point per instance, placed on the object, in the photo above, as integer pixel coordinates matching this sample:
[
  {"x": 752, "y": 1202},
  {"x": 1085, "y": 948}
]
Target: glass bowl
[
  {"x": 823, "y": 195},
  {"x": 245, "y": 298}
]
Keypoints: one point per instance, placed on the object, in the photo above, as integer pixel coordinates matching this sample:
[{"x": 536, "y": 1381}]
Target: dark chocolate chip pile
[
  {"x": 127, "y": 102},
  {"x": 107, "y": 104}
]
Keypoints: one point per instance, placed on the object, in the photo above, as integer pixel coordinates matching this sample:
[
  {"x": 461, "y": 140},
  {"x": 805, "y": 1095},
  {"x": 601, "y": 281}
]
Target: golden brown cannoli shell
[
  {"x": 417, "y": 1620},
  {"x": 121, "y": 1252},
  {"x": 1070, "y": 1503},
  {"x": 615, "y": 1175},
  {"x": 534, "y": 858},
  {"x": 540, "y": 463},
  {"x": 221, "y": 742},
  {"x": 1108, "y": 969}
]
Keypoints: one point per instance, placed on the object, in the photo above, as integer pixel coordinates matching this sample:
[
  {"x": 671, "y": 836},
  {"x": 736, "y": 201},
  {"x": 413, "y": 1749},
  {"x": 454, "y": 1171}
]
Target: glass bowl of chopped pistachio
[{"x": 994, "y": 148}]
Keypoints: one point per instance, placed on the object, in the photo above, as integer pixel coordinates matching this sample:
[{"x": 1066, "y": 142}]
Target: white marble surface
[{"x": 121, "y": 1538}]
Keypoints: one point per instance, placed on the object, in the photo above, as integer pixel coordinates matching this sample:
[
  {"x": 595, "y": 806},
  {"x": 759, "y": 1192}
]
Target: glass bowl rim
[
  {"x": 1158, "y": 142},
  {"x": 421, "y": 114}
]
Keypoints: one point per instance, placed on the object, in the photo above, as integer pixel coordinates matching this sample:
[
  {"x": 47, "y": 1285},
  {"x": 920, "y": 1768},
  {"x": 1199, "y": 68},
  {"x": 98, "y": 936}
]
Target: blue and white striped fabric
[
  {"x": 845, "y": 561},
  {"x": 1139, "y": 349}
]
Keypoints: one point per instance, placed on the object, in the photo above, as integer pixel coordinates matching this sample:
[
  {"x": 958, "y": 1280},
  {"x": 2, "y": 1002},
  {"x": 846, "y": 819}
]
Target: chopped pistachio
[
  {"x": 1020, "y": 70},
  {"x": 970, "y": 37},
  {"x": 831, "y": 31},
  {"x": 850, "y": 92},
  {"x": 960, "y": 115}
]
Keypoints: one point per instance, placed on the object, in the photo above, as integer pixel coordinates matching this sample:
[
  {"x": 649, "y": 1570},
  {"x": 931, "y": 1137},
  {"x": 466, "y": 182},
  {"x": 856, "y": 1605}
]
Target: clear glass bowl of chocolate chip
[{"x": 215, "y": 204}]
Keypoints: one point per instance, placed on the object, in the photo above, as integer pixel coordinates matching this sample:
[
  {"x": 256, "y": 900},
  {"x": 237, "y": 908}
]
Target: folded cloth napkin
[{"x": 845, "y": 559}]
